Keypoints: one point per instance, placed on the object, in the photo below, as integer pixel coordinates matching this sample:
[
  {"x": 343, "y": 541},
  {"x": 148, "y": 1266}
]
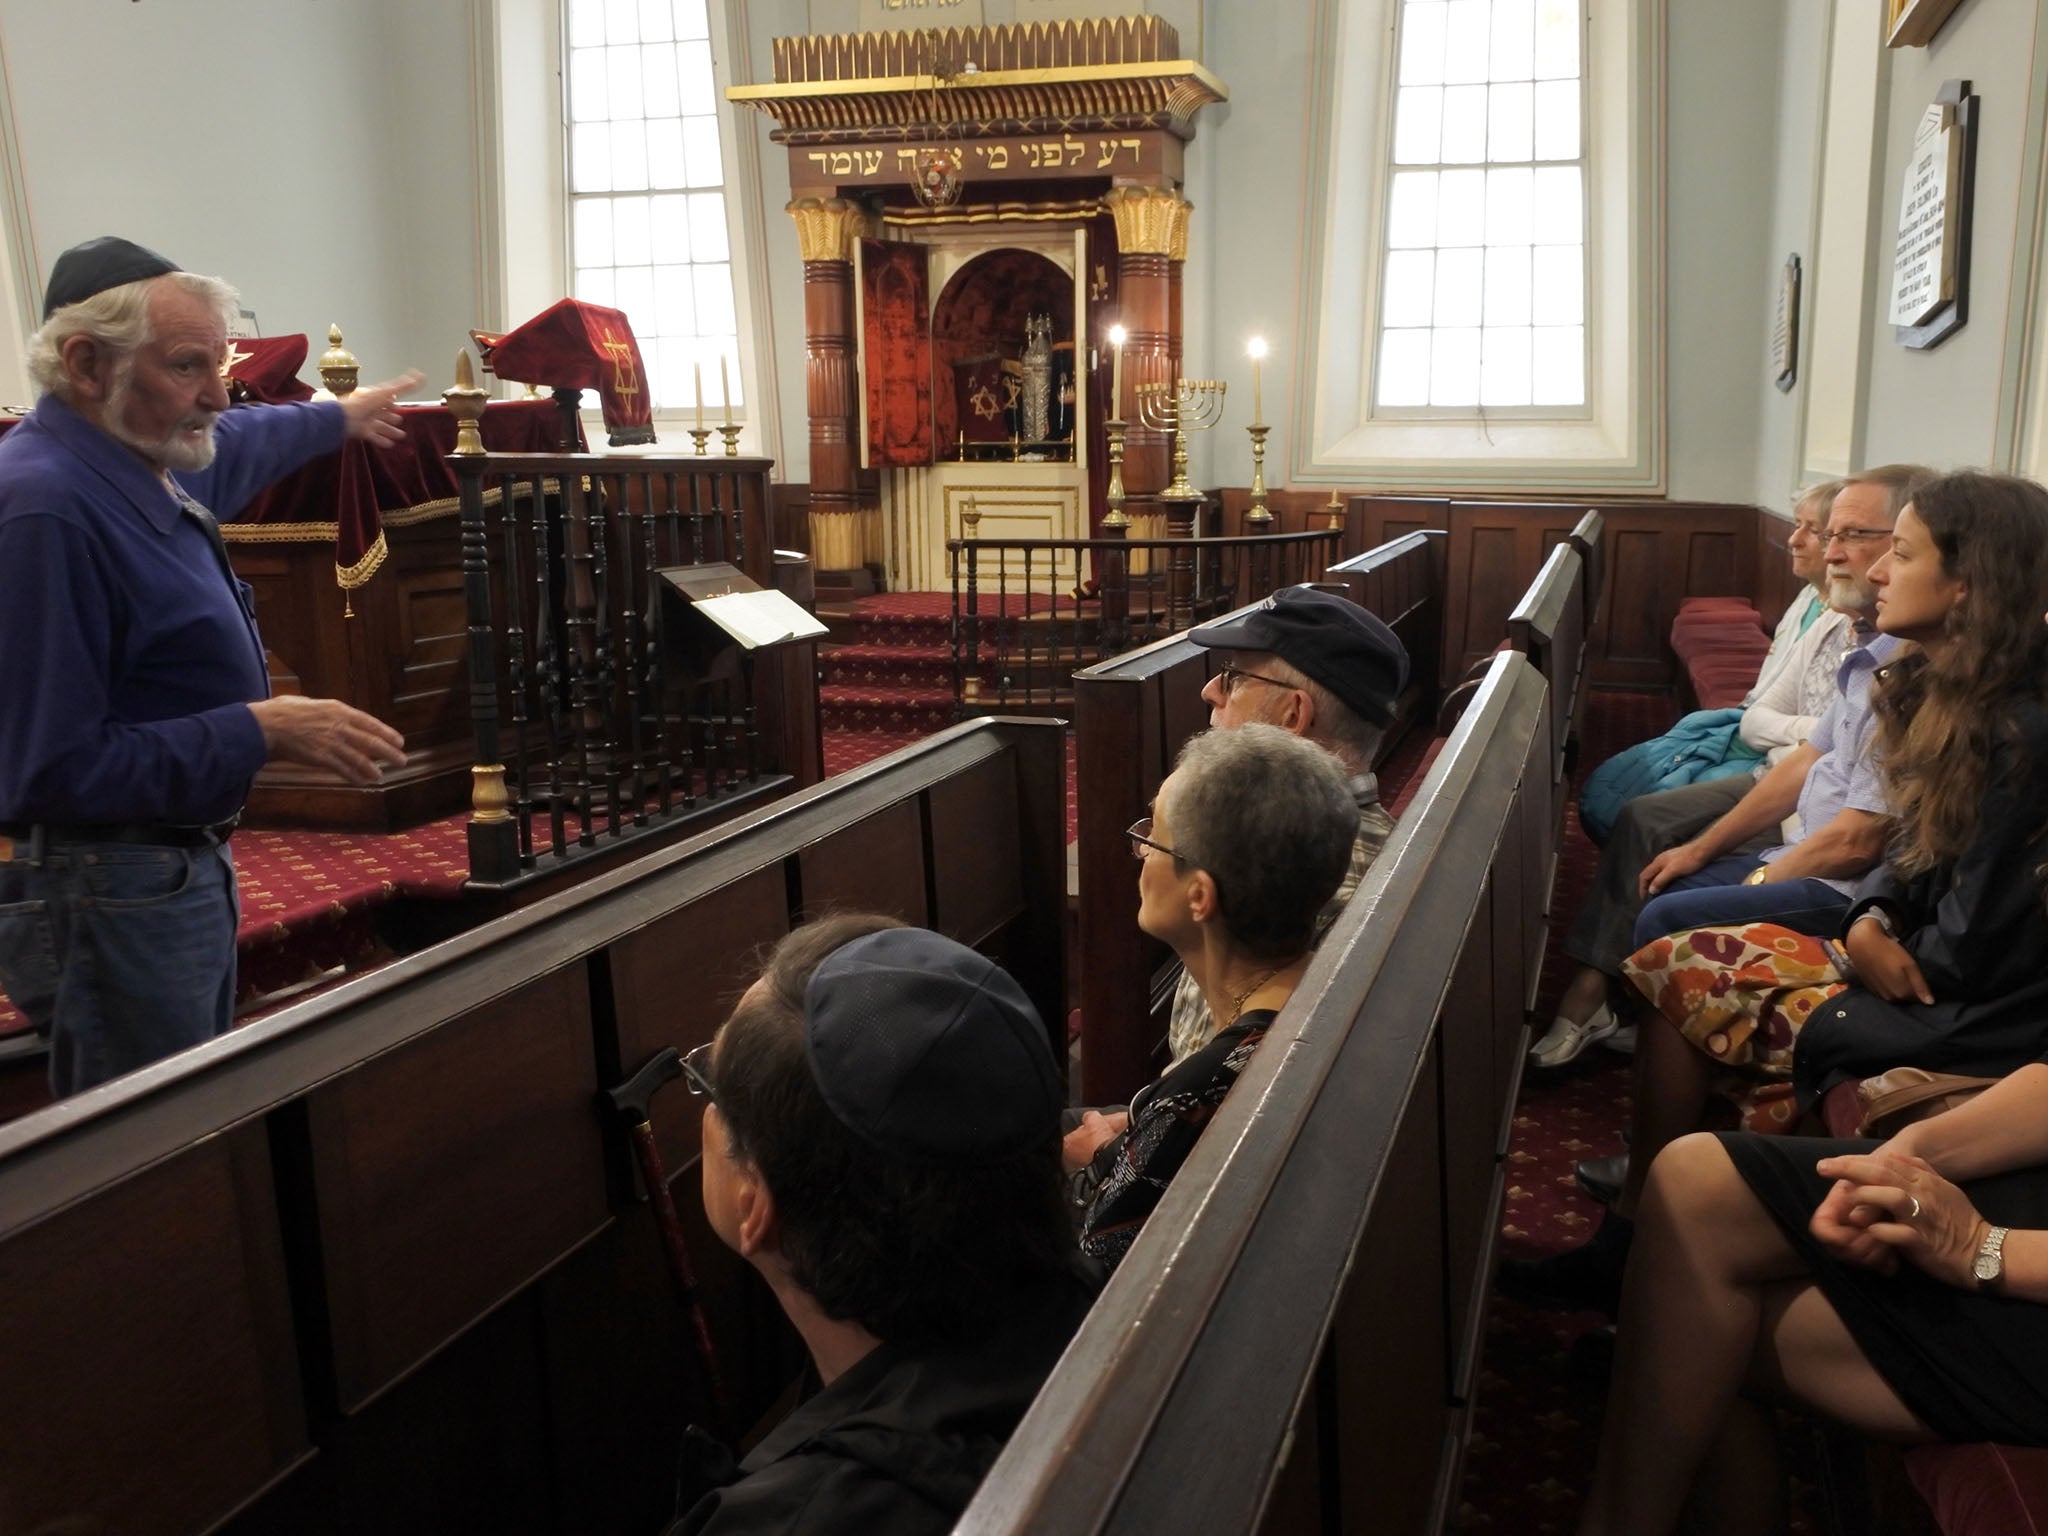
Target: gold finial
[
  {"x": 338, "y": 367},
  {"x": 466, "y": 401},
  {"x": 970, "y": 518}
]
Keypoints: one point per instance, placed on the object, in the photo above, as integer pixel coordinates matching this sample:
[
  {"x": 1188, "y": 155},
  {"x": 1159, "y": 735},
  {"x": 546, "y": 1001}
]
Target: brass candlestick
[
  {"x": 1336, "y": 510},
  {"x": 466, "y": 402},
  {"x": 701, "y": 436},
  {"x": 1115, "y": 517},
  {"x": 1187, "y": 405},
  {"x": 731, "y": 433},
  {"x": 1258, "y": 512}
]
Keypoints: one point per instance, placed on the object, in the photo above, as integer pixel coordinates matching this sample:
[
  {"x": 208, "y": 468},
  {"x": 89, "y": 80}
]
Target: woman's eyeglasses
[
  {"x": 697, "y": 1072},
  {"x": 1140, "y": 834}
]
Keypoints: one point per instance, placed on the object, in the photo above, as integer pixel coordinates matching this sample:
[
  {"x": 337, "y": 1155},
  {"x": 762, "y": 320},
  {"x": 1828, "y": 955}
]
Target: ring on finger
[{"x": 1913, "y": 1210}]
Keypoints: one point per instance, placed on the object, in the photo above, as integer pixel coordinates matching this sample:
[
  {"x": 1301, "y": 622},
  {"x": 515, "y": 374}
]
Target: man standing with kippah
[
  {"x": 881, "y": 1143},
  {"x": 134, "y": 708}
]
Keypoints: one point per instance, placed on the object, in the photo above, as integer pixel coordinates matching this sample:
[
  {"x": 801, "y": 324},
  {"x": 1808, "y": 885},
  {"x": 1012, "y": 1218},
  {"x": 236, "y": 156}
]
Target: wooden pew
[
  {"x": 1402, "y": 581},
  {"x": 1131, "y": 715},
  {"x": 1284, "y": 1350},
  {"x": 376, "y": 1263},
  {"x": 1588, "y": 538},
  {"x": 1548, "y": 626}
]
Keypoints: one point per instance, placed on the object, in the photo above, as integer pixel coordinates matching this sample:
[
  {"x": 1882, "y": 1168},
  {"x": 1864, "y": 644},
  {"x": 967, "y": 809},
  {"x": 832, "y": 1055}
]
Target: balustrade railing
[
  {"x": 1021, "y": 628},
  {"x": 596, "y": 722}
]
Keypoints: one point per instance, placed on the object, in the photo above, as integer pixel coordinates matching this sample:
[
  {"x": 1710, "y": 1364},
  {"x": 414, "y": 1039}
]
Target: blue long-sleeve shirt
[{"x": 127, "y": 660}]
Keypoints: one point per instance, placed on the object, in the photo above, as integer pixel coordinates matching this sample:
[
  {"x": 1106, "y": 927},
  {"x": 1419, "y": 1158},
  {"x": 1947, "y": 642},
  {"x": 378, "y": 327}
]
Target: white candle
[
  {"x": 1116, "y": 372},
  {"x": 724, "y": 388},
  {"x": 697, "y": 375},
  {"x": 1258, "y": 351}
]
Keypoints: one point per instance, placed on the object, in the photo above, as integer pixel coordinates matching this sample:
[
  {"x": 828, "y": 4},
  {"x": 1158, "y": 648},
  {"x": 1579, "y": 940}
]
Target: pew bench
[{"x": 1720, "y": 644}]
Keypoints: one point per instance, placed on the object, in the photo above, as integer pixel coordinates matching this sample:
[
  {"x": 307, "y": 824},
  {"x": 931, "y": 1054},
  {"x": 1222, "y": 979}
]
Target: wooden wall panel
[
  {"x": 452, "y": 1171},
  {"x": 146, "y": 1359},
  {"x": 877, "y": 865},
  {"x": 973, "y": 896}
]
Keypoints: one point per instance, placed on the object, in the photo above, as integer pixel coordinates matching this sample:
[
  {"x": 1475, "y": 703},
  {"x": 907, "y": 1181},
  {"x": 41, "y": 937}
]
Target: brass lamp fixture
[{"x": 938, "y": 171}]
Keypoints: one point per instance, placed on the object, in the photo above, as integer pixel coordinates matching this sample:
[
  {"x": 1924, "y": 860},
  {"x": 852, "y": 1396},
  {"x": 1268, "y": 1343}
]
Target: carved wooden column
[
  {"x": 825, "y": 230},
  {"x": 1152, "y": 245}
]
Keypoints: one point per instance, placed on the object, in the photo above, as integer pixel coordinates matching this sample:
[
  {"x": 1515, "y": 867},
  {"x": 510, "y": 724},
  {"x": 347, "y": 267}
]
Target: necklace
[{"x": 1237, "y": 1006}]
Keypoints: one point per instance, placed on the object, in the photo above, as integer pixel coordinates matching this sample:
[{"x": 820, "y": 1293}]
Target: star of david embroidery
[
  {"x": 235, "y": 358},
  {"x": 625, "y": 381},
  {"x": 985, "y": 403}
]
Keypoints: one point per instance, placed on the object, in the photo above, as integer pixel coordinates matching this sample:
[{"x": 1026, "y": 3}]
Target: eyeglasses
[
  {"x": 697, "y": 1072},
  {"x": 1230, "y": 674},
  {"x": 1857, "y": 535},
  {"x": 1140, "y": 834}
]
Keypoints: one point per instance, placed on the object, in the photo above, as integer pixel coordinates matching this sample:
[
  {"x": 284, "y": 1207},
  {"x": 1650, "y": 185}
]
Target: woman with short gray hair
[{"x": 1248, "y": 837}]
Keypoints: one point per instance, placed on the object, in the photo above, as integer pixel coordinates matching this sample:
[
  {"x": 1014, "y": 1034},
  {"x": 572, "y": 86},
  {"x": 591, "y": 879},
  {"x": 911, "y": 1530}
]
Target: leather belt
[{"x": 148, "y": 834}]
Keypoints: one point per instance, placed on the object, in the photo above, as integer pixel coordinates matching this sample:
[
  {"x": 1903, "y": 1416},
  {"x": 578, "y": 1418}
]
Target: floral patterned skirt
[{"x": 1740, "y": 995}]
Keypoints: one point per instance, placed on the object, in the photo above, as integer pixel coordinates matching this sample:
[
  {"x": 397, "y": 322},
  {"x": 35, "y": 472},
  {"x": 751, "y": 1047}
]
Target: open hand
[
  {"x": 326, "y": 733},
  {"x": 1884, "y": 966},
  {"x": 372, "y": 413},
  {"x": 1672, "y": 864}
]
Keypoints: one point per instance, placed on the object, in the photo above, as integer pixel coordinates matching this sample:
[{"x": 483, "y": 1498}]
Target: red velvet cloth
[
  {"x": 344, "y": 496},
  {"x": 1983, "y": 1490},
  {"x": 265, "y": 369},
  {"x": 581, "y": 346},
  {"x": 897, "y": 346}
]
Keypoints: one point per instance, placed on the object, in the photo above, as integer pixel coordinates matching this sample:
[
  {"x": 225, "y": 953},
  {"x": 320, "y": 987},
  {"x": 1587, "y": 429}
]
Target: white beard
[{"x": 175, "y": 451}]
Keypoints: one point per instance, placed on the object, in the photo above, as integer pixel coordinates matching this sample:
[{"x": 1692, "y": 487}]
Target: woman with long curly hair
[{"x": 1868, "y": 1282}]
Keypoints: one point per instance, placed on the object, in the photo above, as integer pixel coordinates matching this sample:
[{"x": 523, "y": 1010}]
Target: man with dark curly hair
[{"x": 882, "y": 1144}]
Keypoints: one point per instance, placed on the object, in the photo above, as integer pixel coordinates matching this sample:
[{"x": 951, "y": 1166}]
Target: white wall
[{"x": 319, "y": 156}]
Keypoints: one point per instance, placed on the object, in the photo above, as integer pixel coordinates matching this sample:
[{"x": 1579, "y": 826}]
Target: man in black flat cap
[
  {"x": 882, "y": 1145},
  {"x": 1323, "y": 668},
  {"x": 134, "y": 707}
]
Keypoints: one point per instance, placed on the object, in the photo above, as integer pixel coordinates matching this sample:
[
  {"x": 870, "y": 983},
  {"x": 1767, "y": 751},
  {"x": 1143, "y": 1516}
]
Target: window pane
[
  {"x": 693, "y": 68},
  {"x": 668, "y": 228},
  {"x": 1418, "y": 119},
  {"x": 675, "y": 301},
  {"x": 1559, "y": 219},
  {"x": 1558, "y": 365},
  {"x": 1454, "y": 367},
  {"x": 657, "y": 21},
  {"x": 1411, "y": 210},
  {"x": 1508, "y": 214},
  {"x": 1410, "y": 282},
  {"x": 586, "y": 23},
  {"x": 1513, "y": 40},
  {"x": 629, "y": 157},
  {"x": 635, "y": 286},
  {"x": 1464, "y": 124},
  {"x": 707, "y": 228},
  {"x": 1507, "y": 286},
  {"x": 1459, "y": 278},
  {"x": 690, "y": 20},
  {"x": 1509, "y": 133},
  {"x": 700, "y": 151},
  {"x": 1558, "y": 289},
  {"x": 594, "y": 286},
  {"x": 1557, "y": 39},
  {"x": 665, "y": 153},
  {"x": 586, "y": 85},
  {"x": 1461, "y": 208},
  {"x": 1504, "y": 366},
  {"x": 659, "y": 95},
  {"x": 728, "y": 352},
  {"x": 592, "y": 231},
  {"x": 629, "y": 232},
  {"x": 622, "y": 83},
  {"x": 1557, "y": 120},
  {"x": 622, "y": 21},
  {"x": 590, "y": 157},
  {"x": 1404, "y": 368},
  {"x": 714, "y": 299},
  {"x": 1465, "y": 29},
  {"x": 1422, "y": 43}
]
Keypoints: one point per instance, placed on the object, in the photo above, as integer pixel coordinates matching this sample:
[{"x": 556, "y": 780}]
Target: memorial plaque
[{"x": 1923, "y": 259}]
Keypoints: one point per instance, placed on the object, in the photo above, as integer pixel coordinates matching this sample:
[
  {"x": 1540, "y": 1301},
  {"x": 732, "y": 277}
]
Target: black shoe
[
  {"x": 1602, "y": 1177},
  {"x": 1582, "y": 1279}
]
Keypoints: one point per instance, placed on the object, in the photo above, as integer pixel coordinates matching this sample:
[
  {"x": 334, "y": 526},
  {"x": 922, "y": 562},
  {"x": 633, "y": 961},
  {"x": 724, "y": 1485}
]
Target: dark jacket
[
  {"x": 1977, "y": 929},
  {"x": 900, "y": 1442}
]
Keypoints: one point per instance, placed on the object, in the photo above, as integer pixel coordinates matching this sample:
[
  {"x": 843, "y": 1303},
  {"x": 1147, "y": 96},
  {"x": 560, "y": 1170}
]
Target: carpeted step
[
  {"x": 910, "y": 666},
  {"x": 884, "y": 707}
]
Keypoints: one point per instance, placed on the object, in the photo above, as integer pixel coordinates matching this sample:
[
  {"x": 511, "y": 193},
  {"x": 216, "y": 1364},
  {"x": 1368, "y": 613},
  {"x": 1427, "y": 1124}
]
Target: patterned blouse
[{"x": 1168, "y": 1115}]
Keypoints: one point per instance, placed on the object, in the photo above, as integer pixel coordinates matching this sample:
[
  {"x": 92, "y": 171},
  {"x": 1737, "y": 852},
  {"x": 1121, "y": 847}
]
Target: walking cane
[{"x": 632, "y": 1099}]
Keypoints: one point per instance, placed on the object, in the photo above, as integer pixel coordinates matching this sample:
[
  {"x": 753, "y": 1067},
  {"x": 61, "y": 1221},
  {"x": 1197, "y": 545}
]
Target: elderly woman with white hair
[{"x": 1248, "y": 837}]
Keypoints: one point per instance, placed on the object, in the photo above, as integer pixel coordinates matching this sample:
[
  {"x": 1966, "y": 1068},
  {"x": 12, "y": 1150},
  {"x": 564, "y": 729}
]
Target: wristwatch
[{"x": 1989, "y": 1265}]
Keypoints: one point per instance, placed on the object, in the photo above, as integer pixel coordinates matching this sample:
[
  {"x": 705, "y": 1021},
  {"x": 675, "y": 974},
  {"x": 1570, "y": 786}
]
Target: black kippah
[
  {"x": 920, "y": 1044},
  {"x": 97, "y": 265}
]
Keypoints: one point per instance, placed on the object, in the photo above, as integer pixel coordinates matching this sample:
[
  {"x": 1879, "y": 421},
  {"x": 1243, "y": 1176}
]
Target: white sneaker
[
  {"x": 1622, "y": 1041},
  {"x": 1565, "y": 1040}
]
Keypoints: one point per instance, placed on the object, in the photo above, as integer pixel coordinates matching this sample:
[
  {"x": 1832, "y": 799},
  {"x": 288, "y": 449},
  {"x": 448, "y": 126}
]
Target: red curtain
[{"x": 896, "y": 344}]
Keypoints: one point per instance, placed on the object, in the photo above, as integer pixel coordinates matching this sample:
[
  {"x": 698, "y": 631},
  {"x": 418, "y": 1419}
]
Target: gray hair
[
  {"x": 1897, "y": 481},
  {"x": 117, "y": 320},
  {"x": 1336, "y": 727},
  {"x": 1821, "y": 497},
  {"x": 1271, "y": 819}
]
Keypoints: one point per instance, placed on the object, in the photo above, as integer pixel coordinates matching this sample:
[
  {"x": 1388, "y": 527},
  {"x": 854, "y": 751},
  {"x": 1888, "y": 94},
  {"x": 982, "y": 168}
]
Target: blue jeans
[
  {"x": 1715, "y": 897},
  {"x": 122, "y": 954}
]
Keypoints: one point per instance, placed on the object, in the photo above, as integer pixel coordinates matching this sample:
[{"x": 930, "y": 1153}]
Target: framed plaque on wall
[
  {"x": 1931, "y": 253},
  {"x": 1913, "y": 23}
]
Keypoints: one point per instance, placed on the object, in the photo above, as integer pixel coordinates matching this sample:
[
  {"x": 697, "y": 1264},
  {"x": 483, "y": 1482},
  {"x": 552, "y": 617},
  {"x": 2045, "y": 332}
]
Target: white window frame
[
  {"x": 523, "y": 45},
  {"x": 1616, "y": 441}
]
